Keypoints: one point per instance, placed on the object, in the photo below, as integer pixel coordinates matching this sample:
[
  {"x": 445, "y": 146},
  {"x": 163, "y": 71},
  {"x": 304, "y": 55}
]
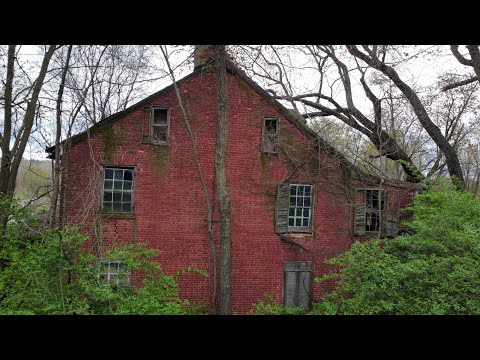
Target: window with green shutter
[{"x": 293, "y": 211}]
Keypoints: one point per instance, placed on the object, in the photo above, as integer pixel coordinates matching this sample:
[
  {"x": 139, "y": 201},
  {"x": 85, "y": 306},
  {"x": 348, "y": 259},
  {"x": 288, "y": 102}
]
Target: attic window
[
  {"x": 160, "y": 126},
  {"x": 270, "y": 135}
]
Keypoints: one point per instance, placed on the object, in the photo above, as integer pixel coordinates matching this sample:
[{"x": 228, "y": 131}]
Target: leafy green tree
[
  {"x": 48, "y": 272},
  {"x": 434, "y": 269}
]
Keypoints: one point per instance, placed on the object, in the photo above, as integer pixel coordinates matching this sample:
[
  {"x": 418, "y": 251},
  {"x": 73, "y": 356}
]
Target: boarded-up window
[
  {"x": 270, "y": 135},
  {"x": 160, "y": 126},
  {"x": 297, "y": 288},
  {"x": 293, "y": 211},
  {"x": 375, "y": 213},
  {"x": 118, "y": 187}
]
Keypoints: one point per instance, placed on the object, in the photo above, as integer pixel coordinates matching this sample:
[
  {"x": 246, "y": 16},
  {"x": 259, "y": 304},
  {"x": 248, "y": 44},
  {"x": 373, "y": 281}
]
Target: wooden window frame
[
  {"x": 125, "y": 280},
  {"x": 152, "y": 125},
  {"x": 298, "y": 267},
  {"x": 264, "y": 149},
  {"x": 132, "y": 190},
  {"x": 310, "y": 220},
  {"x": 384, "y": 212}
]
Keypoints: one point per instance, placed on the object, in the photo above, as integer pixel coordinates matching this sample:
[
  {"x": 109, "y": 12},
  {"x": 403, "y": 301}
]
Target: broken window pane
[
  {"x": 160, "y": 134},
  {"x": 160, "y": 117},
  {"x": 159, "y": 126},
  {"x": 375, "y": 209},
  {"x": 127, "y": 175},
  {"x": 270, "y": 135}
]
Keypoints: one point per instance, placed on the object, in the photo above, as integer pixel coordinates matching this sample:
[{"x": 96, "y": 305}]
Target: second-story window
[{"x": 160, "y": 125}]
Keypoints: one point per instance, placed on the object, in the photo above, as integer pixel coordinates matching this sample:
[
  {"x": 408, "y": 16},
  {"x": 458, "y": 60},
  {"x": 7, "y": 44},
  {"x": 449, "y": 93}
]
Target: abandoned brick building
[{"x": 295, "y": 200}]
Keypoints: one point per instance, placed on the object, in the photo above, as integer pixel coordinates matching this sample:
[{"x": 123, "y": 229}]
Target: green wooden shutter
[
  {"x": 393, "y": 217},
  {"x": 281, "y": 208},
  {"x": 359, "y": 213}
]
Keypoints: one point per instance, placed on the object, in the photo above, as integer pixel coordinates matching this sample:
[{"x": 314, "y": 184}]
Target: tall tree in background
[
  {"x": 473, "y": 62},
  {"x": 13, "y": 108},
  {"x": 374, "y": 57},
  {"x": 221, "y": 184}
]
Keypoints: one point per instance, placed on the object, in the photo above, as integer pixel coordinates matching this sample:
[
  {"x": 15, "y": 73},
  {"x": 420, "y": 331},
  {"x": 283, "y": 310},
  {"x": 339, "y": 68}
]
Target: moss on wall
[
  {"x": 111, "y": 138},
  {"x": 159, "y": 160}
]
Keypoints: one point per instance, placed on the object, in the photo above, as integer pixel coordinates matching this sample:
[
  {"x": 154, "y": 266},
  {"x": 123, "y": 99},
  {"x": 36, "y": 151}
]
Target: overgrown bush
[
  {"x": 268, "y": 306},
  {"x": 434, "y": 270},
  {"x": 46, "y": 271}
]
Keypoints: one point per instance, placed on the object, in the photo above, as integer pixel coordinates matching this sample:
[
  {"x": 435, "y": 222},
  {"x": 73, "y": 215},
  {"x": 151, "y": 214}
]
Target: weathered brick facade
[{"x": 169, "y": 205}]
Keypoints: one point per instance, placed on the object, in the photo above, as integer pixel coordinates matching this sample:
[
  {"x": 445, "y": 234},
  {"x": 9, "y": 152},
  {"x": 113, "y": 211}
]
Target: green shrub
[
  {"x": 434, "y": 270},
  {"x": 48, "y": 272},
  {"x": 268, "y": 306}
]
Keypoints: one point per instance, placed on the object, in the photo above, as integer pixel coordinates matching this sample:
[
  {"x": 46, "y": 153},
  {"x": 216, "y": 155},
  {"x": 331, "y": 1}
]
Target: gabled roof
[{"x": 294, "y": 117}]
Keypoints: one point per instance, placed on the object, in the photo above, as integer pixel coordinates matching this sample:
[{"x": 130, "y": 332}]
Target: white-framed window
[
  {"x": 118, "y": 189},
  {"x": 159, "y": 125},
  {"x": 114, "y": 272},
  {"x": 270, "y": 135},
  {"x": 300, "y": 207}
]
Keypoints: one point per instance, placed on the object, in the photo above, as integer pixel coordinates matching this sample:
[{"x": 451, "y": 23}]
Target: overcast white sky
[{"x": 421, "y": 70}]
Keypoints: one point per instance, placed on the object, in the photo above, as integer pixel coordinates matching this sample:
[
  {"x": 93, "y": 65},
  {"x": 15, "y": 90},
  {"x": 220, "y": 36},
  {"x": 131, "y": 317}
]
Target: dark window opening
[
  {"x": 374, "y": 209},
  {"x": 118, "y": 188},
  {"x": 160, "y": 124},
  {"x": 270, "y": 135}
]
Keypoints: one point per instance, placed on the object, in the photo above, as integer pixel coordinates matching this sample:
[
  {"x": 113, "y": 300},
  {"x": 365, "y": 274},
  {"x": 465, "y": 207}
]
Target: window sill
[
  {"x": 299, "y": 231},
  {"x": 112, "y": 214},
  {"x": 147, "y": 142}
]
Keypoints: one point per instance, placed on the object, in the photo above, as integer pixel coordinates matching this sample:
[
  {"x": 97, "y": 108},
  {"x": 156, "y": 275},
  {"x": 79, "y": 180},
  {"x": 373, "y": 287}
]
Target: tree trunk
[
  {"x": 7, "y": 126},
  {"x": 58, "y": 146},
  {"x": 28, "y": 120},
  {"x": 221, "y": 185},
  {"x": 202, "y": 182}
]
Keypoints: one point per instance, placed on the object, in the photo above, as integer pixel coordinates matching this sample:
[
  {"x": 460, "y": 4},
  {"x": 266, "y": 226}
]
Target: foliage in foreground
[
  {"x": 47, "y": 272},
  {"x": 433, "y": 270},
  {"x": 268, "y": 306}
]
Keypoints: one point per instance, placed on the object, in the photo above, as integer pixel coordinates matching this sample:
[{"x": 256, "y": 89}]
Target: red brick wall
[{"x": 170, "y": 212}]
